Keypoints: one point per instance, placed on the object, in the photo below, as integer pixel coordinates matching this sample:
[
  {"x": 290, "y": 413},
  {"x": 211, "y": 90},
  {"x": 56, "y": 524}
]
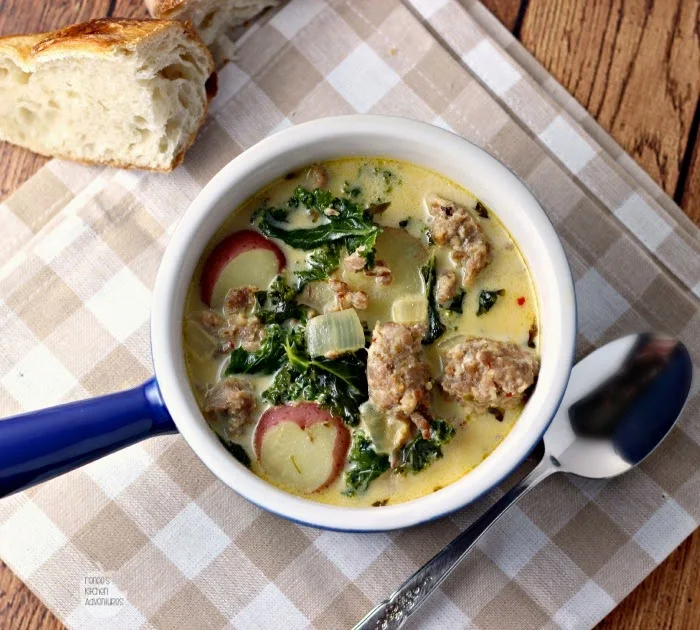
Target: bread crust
[
  {"x": 104, "y": 38},
  {"x": 165, "y": 8}
]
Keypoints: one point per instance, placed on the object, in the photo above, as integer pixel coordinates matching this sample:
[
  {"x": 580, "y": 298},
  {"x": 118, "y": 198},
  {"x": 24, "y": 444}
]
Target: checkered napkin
[{"x": 80, "y": 250}]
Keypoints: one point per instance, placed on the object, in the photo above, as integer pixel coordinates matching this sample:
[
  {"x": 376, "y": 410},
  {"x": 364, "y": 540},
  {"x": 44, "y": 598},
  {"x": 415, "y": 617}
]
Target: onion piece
[
  {"x": 387, "y": 433},
  {"x": 200, "y": 344},
  {"x": 410, "y": 309},
  {"x": 334, "y": 333}
]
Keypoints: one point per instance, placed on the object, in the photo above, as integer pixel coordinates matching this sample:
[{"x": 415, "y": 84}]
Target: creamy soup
[{"x": 362, "y": 332}]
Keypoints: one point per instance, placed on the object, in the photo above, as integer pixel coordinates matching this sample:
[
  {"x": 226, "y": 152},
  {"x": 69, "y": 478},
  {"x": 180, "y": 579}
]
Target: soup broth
[{"x": 409, "y": 450}]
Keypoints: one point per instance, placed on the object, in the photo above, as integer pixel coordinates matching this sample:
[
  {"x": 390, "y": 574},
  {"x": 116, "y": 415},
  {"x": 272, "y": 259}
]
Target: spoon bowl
[{"x": 622, "y": 400}]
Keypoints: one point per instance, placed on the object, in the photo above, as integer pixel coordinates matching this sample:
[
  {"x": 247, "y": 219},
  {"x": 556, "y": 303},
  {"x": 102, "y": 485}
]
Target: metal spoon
[{"x": 620, "y": 403}]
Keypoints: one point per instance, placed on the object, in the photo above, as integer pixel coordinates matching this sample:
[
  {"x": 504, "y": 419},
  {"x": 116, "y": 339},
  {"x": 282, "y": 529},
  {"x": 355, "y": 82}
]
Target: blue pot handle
[{"x": 39, "y": 445}]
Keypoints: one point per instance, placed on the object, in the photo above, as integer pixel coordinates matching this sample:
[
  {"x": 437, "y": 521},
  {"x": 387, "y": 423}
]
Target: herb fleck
[
  {"x": 237, "y": 451},
  {"x": 455, "y": 304},
  {"x": 496, "y": 412},
  {"x": 435, "y": 326},
  {"x": 487, "y": 300},
  {"x": 532, "y": 336}
]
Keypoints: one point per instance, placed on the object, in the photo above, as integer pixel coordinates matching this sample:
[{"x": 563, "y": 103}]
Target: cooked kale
[
  {"x": 237, "y": 451},
  {"x": 365, "y": 465},
  {"x": 348, "y": 189},
  {"x": 487, "y": 299},
  {"x": 267, "y": 360},
  {"x": 273, "y": 307},
  {"x": 278, "y": 303},
  {"x": 279, "y": 214},
  {"x": 352, "y": 226},
  {"x": 317, "y": 199},
  {"x": 339, "y": 385},
  {"x": 322, "y": 263},
  {"x": 455, "y": 304},
  {"x": 481, "y": 210},
  {"x": 389, "y": 178},
  {"x": 435, "y": 326},
  {"x": 419, "y": 453},
  {"x": 496, "y": 413},
  {"x": 532, "y": 336}
]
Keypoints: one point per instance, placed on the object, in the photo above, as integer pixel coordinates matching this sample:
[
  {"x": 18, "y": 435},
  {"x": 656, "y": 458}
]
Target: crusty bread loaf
[
  {"x": 213, "y": 19},
  {"x": 127, "y": 93}
]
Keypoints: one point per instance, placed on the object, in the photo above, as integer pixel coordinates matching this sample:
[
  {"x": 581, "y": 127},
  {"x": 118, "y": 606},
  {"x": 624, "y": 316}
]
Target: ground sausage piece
[
  {"x": 242, "y": 327},
  {"x": 454, "y": 227},
  {"x": 319, "y": 176},
  {"x": 398, "y": 376},
  {"x": 237, "y": 326},
  {"x": 355, "y": 261},
  {"x": 481, "y": 373},
  {"x": 240, "y": 300},
  {"x": 446, "y": 288},
  {"x": 231, "y": 401},
  {"x": 345, "y": 298},
  {"x": 212, "y": 321}
]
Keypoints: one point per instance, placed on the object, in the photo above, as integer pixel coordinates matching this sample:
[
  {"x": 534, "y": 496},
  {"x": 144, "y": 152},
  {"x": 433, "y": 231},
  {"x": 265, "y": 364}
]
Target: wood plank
[
  {"x": 634, "y": 65},
  {"x": 688, "y": 195},
  {"x": 509, "y": 12},
  {"x": 20, "y": 609},
  {"x": 669, "y": 598}
]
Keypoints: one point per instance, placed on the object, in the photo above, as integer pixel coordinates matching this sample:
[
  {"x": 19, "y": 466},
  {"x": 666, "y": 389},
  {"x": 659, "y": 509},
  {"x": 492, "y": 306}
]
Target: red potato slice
[
  {"x": 221, "y": 271},
  {"x": 301, "y": 446}
]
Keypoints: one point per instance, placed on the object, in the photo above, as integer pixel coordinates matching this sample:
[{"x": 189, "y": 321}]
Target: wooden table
[{"x": 634, "y": 64}]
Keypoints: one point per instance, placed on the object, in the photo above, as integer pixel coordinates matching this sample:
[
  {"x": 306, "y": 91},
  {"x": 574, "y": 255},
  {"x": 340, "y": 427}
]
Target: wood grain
[{"x": 635, "y": 65}]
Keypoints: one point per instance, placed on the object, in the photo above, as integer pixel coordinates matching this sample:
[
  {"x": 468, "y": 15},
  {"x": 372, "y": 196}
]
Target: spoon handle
[{"x": 393, "y": 612}]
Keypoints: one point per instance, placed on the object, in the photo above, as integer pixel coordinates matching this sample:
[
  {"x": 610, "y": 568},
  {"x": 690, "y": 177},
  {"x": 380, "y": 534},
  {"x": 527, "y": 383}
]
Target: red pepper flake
[{"x": 521, "y": 301}]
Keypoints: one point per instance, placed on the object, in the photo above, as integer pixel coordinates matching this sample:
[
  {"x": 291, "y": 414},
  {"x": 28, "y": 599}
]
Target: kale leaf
[
  {"x": 339, "y": 385},
  {"x": 352, "y": 226},
  {"x": 322, "y": 263},
  {"x": 482, "y": 210},
  {"x": 435, "y": 326},
  {"x": 273, "y": 307},
  {"x": 237, "y": 451},
  {"x": 267, "y": 360},
  {"x": 354, "y": 191},
  {"x": 487, "y": 299},
  {"x": 455, "y": 304},
  {"x": 365, "y": 465},
  {"x": 419, "y": 453},
  {"x": 317, "y": 199},
  {"x": 278, "y": 303}
]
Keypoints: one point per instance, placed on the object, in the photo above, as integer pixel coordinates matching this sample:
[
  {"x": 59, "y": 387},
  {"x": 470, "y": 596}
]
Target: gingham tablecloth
[{"x": 80, "y": 249}]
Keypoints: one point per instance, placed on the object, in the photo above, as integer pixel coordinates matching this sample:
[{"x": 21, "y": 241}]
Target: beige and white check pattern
[{"x": 80, "y": 250}]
